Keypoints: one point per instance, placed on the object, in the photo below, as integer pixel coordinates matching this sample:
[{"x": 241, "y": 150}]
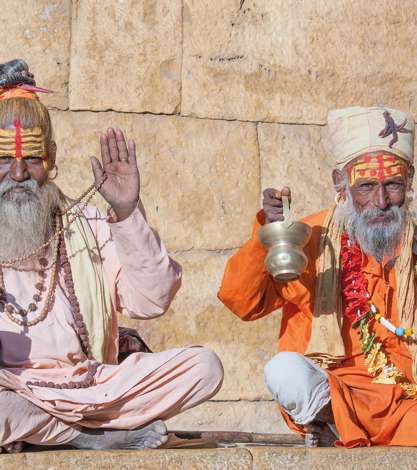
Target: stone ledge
[
  {"x": 253, "y": 458},
  {"x": 266, "y": 458},
  {"x": 201, "y": 459}
]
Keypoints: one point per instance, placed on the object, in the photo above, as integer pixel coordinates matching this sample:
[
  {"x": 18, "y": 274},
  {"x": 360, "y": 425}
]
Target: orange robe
[{"x": 365, "y": 413}]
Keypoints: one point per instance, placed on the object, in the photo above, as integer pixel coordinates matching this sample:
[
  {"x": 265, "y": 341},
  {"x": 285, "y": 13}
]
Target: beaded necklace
[
  {"x": 362, "y": 312},
  {"x": 59, "y": 252},
  {"x": 89, "y": 378},
  {"x": 11, "y": 311},
  {"x": 355, "y": 290}
]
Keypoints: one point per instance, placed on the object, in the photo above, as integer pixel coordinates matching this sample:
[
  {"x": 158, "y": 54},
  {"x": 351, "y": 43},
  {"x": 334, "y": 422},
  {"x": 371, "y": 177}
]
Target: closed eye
[{"x": 34, "y": 159}]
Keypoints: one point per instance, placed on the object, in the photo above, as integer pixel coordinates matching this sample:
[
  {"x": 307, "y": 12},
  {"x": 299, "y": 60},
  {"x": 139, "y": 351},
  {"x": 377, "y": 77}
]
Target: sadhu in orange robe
[{"x": 365, "y": 413}]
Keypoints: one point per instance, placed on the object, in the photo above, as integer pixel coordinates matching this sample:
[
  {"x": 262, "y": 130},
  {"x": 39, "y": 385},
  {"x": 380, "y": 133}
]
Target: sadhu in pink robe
[{"x": 144, "y": 387}]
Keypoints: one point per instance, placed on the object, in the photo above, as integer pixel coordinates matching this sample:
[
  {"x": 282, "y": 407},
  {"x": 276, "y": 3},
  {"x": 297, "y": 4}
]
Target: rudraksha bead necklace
[
  {"x": 72, "y": 298},
  {"x": 88, "y": 381},
  {"x": 11, "y": 311},
  {"x": 59, "y": 253}
]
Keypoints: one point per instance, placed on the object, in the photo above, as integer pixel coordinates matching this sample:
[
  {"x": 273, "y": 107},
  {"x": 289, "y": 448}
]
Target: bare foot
[
  {"x": 319, "y": 435},
  {"x": 13, "y": 448},
  {"x": 151, "y": 436}
]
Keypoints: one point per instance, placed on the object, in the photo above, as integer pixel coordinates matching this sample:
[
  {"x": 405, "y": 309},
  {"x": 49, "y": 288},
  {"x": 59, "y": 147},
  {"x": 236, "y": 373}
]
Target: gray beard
[
  {"x": 26, "y": 218},
  {"x": 377, "y": 239}
]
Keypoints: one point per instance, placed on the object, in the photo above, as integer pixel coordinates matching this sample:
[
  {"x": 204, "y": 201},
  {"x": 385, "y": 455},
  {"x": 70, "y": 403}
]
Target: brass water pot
[{"x": 285, "y": 241}]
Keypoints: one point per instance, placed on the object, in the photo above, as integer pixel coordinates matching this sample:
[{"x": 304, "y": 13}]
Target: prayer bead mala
[
  {"x": 88, "y": 381},
  {"x": 72, "y": 298},
  {"x": 10, "y": 309},
  {"x": 59, "y": 250}
]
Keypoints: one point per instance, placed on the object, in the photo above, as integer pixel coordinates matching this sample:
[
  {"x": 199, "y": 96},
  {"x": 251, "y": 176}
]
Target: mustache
[
  {"x": 29, "y": 186},
  {"x": 389, "y": 214}
]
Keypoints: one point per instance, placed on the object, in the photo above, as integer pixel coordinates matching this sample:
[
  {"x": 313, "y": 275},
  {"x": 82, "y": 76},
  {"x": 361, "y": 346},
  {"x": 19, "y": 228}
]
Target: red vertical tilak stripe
[{"x": 18, "y": 138}]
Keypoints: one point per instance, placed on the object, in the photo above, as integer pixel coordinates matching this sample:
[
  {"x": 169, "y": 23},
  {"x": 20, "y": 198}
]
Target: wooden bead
[{"x": 40, "y": 286}]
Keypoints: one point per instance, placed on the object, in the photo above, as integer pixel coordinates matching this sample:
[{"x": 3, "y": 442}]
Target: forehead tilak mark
[{"x": 18, "y": 138}]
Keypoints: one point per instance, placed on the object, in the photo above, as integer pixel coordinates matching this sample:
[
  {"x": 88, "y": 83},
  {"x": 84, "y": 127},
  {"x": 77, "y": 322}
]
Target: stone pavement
[{"x": 248, "y": 458}]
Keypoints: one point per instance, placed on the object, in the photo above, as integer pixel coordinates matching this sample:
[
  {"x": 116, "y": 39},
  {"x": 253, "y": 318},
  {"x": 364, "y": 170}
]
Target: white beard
[
  {"x": 378, "y": 239},
  {"x": 26, "y": 217}
]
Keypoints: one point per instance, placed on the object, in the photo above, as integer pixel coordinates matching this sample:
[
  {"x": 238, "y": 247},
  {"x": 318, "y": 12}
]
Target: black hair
[
  {"x": 31, "y": 113},
  {"x": 15, "y": 72}
]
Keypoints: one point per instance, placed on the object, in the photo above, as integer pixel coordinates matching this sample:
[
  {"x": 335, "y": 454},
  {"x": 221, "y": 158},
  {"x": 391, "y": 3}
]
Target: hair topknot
[{"x": 15, "y": 72}]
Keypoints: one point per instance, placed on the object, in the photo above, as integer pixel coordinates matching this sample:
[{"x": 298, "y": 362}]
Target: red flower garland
[{"x": 354, "y": 286}]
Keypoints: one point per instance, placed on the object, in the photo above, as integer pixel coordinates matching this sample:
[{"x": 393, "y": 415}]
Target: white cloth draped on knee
[{"x": 298, "y": 384}]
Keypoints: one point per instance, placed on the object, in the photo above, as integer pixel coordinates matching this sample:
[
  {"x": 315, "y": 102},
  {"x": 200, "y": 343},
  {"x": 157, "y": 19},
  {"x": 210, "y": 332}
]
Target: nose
[
  {"x": 19, "y": 171},
  {"x": 381, "y": 199}
]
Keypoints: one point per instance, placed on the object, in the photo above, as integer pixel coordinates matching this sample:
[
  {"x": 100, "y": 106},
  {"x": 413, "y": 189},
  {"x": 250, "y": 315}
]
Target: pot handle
[{"x": 286, "y": 209}]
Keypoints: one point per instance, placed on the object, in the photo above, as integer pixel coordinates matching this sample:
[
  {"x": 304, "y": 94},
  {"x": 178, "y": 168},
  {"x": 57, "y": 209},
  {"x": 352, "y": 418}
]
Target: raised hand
[
  {"x": 119, "y": 167},
  {"x": 272, "y": 203}
]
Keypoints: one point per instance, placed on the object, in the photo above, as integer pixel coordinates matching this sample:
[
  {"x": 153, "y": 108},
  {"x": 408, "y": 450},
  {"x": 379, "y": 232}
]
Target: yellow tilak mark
[{"x": 33, "y": 144}]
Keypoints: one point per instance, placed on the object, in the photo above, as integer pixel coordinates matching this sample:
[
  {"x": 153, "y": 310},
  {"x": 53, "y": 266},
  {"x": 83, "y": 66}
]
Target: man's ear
[
  {"x": 51, "y": 154},
  {"x": 410, "y": 177},
  {"x": 338, "y": 178}
]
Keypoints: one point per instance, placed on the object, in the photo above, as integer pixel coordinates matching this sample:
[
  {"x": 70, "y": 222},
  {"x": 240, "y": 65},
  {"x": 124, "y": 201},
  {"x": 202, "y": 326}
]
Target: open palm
[{"x": 119, "y": 167}]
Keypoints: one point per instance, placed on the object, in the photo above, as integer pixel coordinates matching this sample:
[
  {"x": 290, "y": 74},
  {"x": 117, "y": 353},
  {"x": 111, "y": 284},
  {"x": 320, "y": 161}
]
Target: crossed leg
[
  {"x": 40, "y": 428},
  {"x": 191, "y": 377},
  {"x": 301, "y": 388}
]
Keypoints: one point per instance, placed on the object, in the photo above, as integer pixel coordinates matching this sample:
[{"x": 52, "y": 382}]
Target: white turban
[{"x": 357, "y": 130}]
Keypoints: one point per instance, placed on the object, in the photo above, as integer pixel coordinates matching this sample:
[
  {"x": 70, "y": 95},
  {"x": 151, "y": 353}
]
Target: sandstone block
[
  {"x": 39, "y": 32},
  {"x": 199, "y": 178},
  {"x": 126, "y": 56},
  {"x": 296, "y": 156},
  {"x": 334, "y": 458},
  {"x": 186, "y": 459},
  {"x": 244, "y": 416},
  {"x": 291, "y": 61},
  {"x": 197, "y": 317}
]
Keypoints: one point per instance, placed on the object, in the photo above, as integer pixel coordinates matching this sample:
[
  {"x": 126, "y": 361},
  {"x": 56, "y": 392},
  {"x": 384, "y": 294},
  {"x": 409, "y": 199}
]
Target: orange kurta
[{"x": 365, "y": 413}]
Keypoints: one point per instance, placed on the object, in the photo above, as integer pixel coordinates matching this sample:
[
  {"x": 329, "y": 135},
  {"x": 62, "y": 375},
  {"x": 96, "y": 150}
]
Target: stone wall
[{"x": 224, "y": 98}]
